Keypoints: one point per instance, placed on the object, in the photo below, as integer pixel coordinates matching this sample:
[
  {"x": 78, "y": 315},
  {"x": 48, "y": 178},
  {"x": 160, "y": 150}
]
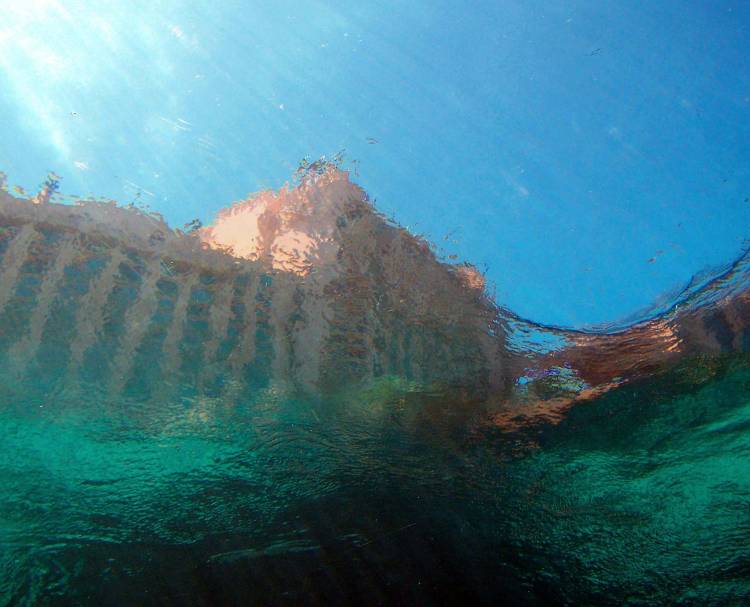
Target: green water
[{"x": 639, "y": 498}]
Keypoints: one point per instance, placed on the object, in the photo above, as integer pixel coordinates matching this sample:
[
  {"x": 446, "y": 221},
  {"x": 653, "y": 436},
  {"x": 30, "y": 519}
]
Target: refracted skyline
[{"x": 305, "y": 289}]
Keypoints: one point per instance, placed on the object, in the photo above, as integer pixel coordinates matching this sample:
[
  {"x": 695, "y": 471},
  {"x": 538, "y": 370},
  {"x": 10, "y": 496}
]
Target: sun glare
[{"x": 57, "y": 60}]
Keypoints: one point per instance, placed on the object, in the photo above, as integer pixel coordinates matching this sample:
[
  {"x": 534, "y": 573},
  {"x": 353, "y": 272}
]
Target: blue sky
[{"x": 590, "y": 156}]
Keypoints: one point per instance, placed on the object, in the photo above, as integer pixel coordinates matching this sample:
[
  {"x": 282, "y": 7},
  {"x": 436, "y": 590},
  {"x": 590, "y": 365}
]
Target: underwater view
[{"x": 388, "y": 304}]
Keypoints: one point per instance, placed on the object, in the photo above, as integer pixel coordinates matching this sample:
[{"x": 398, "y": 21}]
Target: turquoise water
[{"x": 641, "y": 497}]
